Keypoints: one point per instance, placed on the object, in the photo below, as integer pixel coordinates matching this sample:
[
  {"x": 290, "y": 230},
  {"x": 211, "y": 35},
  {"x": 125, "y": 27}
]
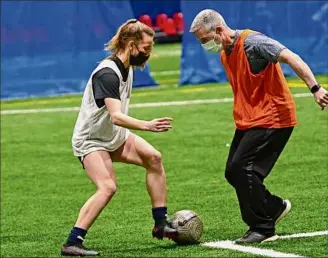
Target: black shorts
[
  {"x": 81, "y": 161},
  {"x": 258, "y": 148}
]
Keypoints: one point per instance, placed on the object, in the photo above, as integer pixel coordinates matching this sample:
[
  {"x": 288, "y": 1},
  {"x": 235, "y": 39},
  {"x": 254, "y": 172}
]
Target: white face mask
[{"x": 212, "y": 47}]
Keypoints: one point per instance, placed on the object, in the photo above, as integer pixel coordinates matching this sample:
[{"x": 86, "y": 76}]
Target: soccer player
[
  {"x": 101, "y": 135},
  {"x": 264, "y": 114}
]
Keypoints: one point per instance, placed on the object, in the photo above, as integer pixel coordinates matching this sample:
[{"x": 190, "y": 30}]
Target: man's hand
[
  {"x": 159, "y": 125},
  {"x": 321, "y": 97}
]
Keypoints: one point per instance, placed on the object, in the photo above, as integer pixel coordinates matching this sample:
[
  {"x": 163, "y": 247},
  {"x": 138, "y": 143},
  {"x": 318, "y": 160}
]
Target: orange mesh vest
[{"x": 260, "y": 100}]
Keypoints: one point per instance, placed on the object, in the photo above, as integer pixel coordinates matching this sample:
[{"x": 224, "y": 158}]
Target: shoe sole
[
  {"x": 72, "y": 253},
  {"x": 285, "y": 212},
  {"x": 270, "y": 239},
  {"x": 77, "y": 255}
]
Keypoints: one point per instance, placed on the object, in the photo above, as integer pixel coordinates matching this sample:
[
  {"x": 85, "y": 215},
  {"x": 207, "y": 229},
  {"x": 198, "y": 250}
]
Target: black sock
[
  {"x": 76, "y": 236},
  {"x": 159, "y": 214}
]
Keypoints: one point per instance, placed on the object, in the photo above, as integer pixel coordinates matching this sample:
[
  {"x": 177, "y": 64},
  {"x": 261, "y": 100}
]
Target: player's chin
[{"x": 142, "y": 67}]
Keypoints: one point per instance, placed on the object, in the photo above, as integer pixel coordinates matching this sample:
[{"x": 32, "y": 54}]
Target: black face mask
[{"x": 139, "y": 59}]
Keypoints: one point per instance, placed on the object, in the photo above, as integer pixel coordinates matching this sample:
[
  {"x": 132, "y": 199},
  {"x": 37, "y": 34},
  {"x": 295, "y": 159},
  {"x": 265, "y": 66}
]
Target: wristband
[{"x": 315, "y": 88}]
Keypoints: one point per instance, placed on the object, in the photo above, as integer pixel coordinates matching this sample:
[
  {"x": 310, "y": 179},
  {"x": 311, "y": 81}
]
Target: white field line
[
  {"x": 248, "y": 249},
  {"x": 181, "y": 103},
  {"x": 165, "y": 53},
  {"x": 41, "y": 110},
  {"x": 140, "y": 105},
  {"x": 262, "y": 251},
  {"x": 299, "y": 235},
  {"x": 165, "y": 73}
]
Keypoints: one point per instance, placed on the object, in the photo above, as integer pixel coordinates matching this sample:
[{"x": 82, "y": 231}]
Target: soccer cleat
[
  {"x": 164, "y": 230},
  {"x": 285, "y": 211},
  {"x": 77, "y": 250},
  {"x": 256, "y": 237}
]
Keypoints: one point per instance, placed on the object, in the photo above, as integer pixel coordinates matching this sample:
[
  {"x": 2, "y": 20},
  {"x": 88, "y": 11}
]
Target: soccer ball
[{"x": 189, "y": 226}]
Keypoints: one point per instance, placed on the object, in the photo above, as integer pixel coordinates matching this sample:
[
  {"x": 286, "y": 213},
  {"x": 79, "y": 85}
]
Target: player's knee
[
  {"x": 231, "y": 172},
  {"x": 108, "y": 189},
  {"x": 228, "y": 173},
  {"x": 154, "y": 159}
]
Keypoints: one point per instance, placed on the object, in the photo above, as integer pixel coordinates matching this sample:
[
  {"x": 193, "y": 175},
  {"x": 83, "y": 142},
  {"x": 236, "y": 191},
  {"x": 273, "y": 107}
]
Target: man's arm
[
  {"x": 304, "y": 72},
  {"x": 120, "y": 119},
  {"x": 299, "y": 66},
  {"x": 273, "y": 51}
]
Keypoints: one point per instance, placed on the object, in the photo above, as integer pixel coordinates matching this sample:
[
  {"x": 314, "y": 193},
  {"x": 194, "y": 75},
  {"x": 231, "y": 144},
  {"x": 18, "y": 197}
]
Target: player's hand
[
  {"x": 159, "y": 124},
  {"x": 321, "y": 97}
]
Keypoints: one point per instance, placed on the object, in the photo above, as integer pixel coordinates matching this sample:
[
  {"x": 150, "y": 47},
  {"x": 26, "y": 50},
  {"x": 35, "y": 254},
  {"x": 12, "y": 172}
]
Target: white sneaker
[{"x": 285, "y": 211}]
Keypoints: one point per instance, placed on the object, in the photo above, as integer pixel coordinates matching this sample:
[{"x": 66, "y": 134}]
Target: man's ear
[{"x": 218, "y": 30}]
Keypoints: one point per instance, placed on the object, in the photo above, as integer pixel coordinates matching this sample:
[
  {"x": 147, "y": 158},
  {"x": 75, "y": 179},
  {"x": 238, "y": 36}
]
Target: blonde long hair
[{"x": 131, "y": 30}]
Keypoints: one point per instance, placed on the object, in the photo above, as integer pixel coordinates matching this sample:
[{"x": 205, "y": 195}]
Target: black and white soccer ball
[{"x": 189, "y": 226}]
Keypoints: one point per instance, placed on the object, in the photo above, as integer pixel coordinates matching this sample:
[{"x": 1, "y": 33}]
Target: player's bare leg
[
  {"x": 100, "y": 170},
  {"x": 139, "y": 152}
]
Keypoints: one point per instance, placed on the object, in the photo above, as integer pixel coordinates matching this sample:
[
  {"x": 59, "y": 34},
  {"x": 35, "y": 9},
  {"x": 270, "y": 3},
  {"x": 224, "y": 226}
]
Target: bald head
[{"x": 208, "y": 19}]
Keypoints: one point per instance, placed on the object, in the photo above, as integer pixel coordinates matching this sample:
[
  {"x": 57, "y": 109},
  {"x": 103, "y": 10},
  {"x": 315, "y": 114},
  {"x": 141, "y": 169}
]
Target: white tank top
[{"x": 94, "y": 129}]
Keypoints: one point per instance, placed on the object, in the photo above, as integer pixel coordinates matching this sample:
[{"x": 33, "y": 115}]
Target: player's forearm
[
  {"x": 302, "y": 70},
  {"x": 128, "y": 122}
]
